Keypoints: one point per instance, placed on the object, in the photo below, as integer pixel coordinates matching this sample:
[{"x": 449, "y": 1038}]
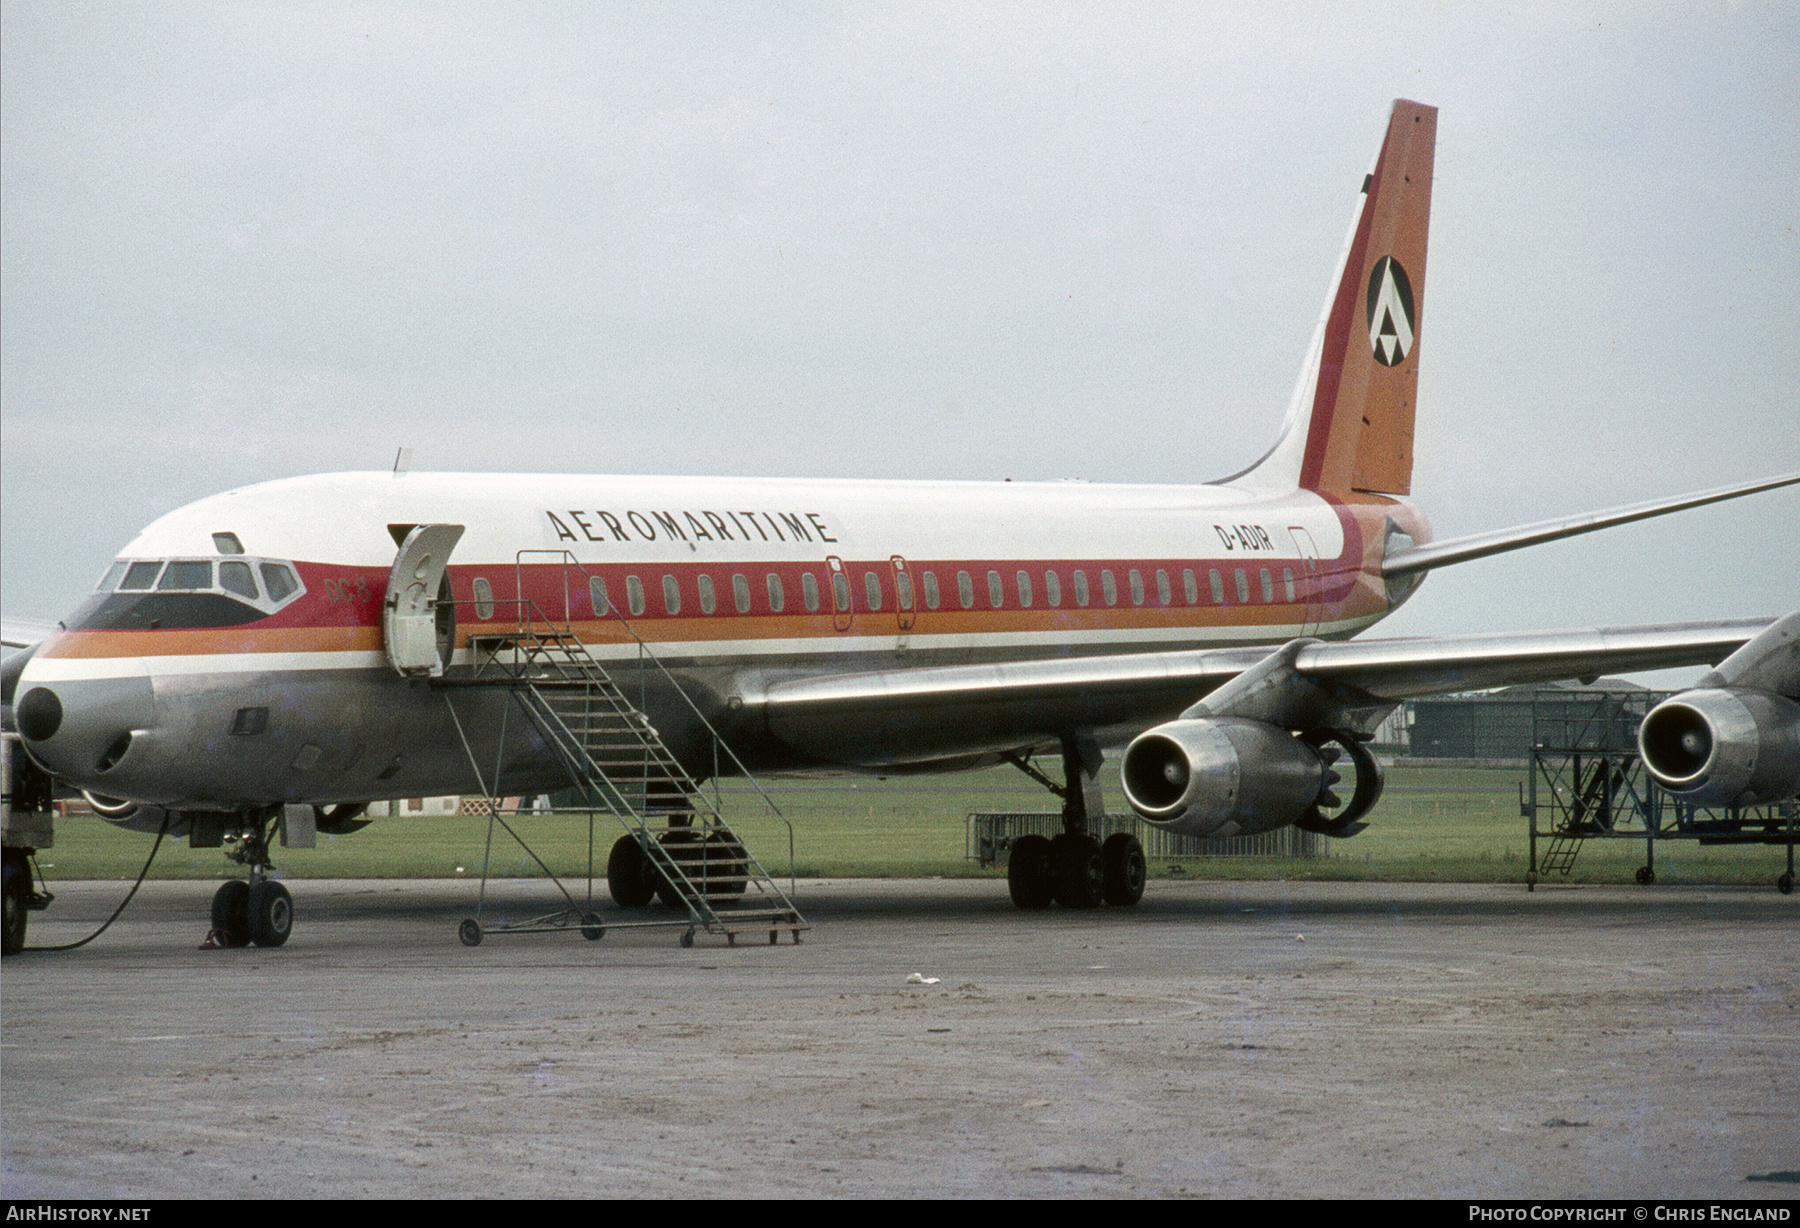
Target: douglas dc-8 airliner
[{"x": 267, "y": 649}]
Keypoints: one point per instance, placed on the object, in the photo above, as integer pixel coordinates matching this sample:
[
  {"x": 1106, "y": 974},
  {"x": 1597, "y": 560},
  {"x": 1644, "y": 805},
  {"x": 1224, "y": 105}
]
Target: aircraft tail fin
[{"x": 1350, "y": 425}]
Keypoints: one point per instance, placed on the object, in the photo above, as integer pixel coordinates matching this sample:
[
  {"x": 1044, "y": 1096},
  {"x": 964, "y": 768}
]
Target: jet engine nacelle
[
  {"x": 135, "y": 816},
  {"x": 1724, "y": 746},
  {"x": 1227, "y": 776}
]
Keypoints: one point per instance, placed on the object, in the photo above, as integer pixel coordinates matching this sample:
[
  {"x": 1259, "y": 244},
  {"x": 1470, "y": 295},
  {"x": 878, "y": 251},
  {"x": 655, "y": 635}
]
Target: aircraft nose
[{"x": 80, "y": 729}]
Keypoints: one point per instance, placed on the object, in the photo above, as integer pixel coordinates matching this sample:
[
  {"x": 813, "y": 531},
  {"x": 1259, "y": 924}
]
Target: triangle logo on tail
[{"x": 1390, "y": 312}]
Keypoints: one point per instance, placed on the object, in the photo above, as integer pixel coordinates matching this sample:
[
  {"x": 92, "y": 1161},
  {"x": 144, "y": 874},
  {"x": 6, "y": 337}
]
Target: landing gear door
[{"x": 418, "y": 617}]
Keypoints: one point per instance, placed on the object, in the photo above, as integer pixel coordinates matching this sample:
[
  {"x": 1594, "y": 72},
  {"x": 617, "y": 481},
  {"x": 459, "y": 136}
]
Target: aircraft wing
[
  {"x": 16, "y": 633},
  {"x": 921, "y": 714}
]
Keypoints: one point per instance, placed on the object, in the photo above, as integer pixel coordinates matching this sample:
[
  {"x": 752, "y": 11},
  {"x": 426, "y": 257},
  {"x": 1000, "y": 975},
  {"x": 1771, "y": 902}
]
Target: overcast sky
[{"x": 246, "y": 241}]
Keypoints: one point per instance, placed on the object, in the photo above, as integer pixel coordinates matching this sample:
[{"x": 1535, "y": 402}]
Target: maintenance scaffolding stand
[{"x": 1587, "y": 783}]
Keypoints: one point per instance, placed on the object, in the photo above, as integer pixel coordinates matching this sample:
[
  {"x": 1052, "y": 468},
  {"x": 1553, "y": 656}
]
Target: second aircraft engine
[
  {"x": 1724, "y": 747},
  {"x": 1734, "y": 740}
]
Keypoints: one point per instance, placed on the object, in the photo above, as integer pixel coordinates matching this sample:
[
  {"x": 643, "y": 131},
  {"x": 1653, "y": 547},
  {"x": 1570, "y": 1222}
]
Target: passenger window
[
  {"x": 931, "y": 590},
  {"x": 597, "y": 595},
  {"x": 809, "y": 589},
  {"x": 903, "y": 590},
  {"x": 777, "y": 598},
  {"x": 1217, "y": 585},
  {"x": 1287, "y": 581},
  {"x": 709, "y": 600},
  {"x": 1163, "y": 594},
  {"x": 740, "y": 593},
  {"x": 1024, "y": 580},
  {"x": 186, "y": 577},
  {"x": 965, "y": 588},
  {"x": 278, "y": 581},
  {"x": 634, "y": 594},
  {"x": 1052, "y": 590},
  {"x": 840, "y": 591},
  {"x": 671, "y": 594},
  {"x": 1268, "y": 587},
  {"x": 1108, "y": 587},
  {"x": 1081, "y": 588},
  {"x": 1189, "y": 587},
  {"x": 872, "y": 589},
  {"x": 1137, "y": 587},
  {"x": 996, "y": 594},
  {"x": 1243, "y": 587},
  {"x": 484, "y": 598},
  {"x": 238, "y": 578}
]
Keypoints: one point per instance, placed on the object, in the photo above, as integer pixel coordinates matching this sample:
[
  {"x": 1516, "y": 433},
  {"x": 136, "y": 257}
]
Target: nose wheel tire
[
  {"x": 271, "y": 914},
  {"x": 231, "y": 913}
]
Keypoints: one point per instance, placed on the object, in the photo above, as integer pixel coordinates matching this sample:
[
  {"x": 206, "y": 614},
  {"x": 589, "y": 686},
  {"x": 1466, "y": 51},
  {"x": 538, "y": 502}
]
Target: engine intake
[{"x": 1724, "y": 746}]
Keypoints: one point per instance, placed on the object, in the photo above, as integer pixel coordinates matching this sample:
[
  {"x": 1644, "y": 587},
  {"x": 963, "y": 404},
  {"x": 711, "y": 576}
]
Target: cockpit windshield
[
  {"x": 185, "y": 577},
  {"x": 137, "y": 575},
  {"x": 169, "y": 593}
]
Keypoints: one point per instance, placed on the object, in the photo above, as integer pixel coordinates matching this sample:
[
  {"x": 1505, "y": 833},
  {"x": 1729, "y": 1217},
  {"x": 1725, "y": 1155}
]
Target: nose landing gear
[{"x": 259, "y": 910}]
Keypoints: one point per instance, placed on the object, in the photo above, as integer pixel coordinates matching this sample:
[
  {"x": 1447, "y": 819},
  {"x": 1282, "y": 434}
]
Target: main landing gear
[
  {"x": 1075, "y": 869},
  {"x": 258, "y": 911}
]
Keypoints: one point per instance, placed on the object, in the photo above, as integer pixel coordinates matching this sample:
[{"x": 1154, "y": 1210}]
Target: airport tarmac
[{"x": 1223, "y": 1039}]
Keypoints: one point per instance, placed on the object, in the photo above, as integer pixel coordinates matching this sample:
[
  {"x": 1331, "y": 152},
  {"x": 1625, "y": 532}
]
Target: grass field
[{"x": 1434, "y": 825}]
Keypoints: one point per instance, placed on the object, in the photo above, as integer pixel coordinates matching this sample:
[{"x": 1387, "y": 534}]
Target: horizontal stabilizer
[{"x": 1461, "y": 549}]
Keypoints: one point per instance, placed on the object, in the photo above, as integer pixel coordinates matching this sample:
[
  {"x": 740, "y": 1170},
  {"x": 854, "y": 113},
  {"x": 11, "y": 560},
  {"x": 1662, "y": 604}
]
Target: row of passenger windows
[{"x": 1025, "y": 591}]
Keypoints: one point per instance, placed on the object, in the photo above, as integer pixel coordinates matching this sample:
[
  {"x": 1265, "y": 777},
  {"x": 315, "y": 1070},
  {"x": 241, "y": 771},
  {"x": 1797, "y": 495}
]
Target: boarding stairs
[{"x": 621, "y": 766}]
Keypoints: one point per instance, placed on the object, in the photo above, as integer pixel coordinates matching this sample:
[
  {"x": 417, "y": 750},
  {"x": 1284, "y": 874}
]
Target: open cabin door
[{"x": 418, "y": 616}]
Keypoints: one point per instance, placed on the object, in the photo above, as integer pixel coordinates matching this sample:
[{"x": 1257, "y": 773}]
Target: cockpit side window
[
  {"x": 110, "y": 580},
  {"x": 279, "y": 580}
]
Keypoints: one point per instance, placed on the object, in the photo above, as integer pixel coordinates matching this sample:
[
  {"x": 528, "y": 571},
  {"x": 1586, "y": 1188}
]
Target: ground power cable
[{"x": 70, "y": 946}]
